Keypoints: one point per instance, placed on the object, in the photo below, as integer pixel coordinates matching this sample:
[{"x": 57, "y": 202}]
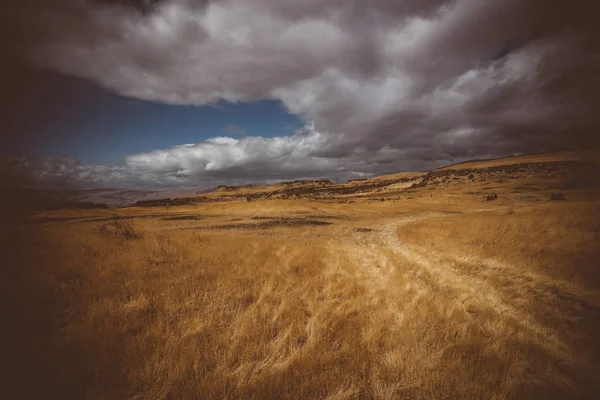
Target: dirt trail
[
  {"x": 468, "y": 285},
  {"x": 483, "y": 273}
]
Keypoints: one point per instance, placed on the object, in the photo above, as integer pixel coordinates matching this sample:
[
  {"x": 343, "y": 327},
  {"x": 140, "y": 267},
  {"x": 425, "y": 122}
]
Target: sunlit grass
[
  {"x": 151, "y": 308},
  {"x": 416, "y": 293}
]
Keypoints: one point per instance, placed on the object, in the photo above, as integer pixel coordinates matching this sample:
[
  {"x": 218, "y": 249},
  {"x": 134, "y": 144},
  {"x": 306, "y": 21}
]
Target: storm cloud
[{"x": 383, "y": 84}]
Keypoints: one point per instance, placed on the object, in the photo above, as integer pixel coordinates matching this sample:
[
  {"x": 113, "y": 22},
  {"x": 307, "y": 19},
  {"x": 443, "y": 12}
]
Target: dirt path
[
  {"x": 513, "y": 301},
  {"x": 481, "y": 273}
]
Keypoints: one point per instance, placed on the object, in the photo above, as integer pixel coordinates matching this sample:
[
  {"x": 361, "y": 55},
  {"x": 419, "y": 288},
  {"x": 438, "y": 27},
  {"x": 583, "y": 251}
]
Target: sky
[
  {"x": 95, "y": 125},
  {"x": 196, "y": 93}
]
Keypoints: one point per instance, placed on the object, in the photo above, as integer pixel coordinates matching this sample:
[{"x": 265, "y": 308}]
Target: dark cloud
[{"x": 417, "y": 80}]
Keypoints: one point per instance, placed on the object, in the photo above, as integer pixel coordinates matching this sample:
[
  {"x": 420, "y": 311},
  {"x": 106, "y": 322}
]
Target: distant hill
[
  {"x": 528, "y": 158},
  {"x": 564, "y": 169},
  {"x": 99, "y": 198}
]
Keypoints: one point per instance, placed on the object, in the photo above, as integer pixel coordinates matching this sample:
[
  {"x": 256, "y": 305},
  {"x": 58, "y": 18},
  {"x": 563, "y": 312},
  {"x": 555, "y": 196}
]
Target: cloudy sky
[{"x": 179, "y": 93}]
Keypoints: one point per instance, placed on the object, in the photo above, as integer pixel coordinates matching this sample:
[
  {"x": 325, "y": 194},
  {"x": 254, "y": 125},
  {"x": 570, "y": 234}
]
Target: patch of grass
[
  {"x": 549, "y": 238},
  {"x": 275, "y": 223},
  {"x": 184, "y": 218},
  {"x": 121, "y": 227}
]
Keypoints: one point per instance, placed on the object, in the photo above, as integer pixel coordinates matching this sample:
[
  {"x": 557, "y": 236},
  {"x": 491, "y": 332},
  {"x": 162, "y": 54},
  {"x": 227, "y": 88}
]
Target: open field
[{"x": 418, "y": 291}]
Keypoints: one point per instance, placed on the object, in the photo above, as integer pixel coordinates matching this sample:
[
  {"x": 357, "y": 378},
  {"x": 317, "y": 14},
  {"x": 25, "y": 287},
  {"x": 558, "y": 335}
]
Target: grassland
[{"x": 420, "y": 291}]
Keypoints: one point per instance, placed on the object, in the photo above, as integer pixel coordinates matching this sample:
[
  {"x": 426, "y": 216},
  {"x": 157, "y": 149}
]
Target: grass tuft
[{"x": 121, "y": 227}]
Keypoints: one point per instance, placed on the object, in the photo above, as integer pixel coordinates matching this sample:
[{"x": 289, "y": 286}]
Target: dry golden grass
[
  {"x": 434, "y": 295},
  {"x": 332, "y": 313},
  {"x": 559, "y": 240}
]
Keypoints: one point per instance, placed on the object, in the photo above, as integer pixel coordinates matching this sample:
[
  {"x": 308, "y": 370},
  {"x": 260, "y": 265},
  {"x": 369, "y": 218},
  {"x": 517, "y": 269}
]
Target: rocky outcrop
[{"x": 575, "y": 169}]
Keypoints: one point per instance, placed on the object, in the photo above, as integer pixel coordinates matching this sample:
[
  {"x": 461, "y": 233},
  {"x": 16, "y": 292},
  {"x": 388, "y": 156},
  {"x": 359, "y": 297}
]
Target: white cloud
[
  {"x": 404, "y": 77},
  {"x": 224, "y": 160}
]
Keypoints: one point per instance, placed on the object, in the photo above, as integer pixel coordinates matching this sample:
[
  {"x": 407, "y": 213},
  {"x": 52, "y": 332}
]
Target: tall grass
[
  {"x": 229, "y": 315},
  {"x": 554, "y": 239}
]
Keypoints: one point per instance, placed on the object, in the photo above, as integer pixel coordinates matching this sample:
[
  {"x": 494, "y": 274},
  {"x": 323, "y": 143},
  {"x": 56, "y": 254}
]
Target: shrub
[{"x": 557, "y": 196}]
